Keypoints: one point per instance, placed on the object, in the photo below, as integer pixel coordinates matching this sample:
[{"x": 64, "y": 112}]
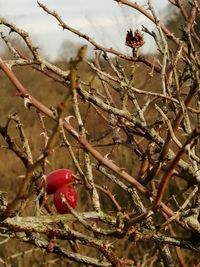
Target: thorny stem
[
  {"x": 126, "y": 117},
  {"x": 80, "y": 138}
]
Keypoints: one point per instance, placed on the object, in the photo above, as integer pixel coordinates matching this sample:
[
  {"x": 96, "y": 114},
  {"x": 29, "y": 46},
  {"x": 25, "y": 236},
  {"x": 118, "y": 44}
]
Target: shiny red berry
[
  {"x": 57, "y": 179},
  {"x": 69, "y": 193}
]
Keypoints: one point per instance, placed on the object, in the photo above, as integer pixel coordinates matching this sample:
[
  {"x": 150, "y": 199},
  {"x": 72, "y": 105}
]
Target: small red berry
[
  {"x": 70, "y": 195},
  {"x": 57, "y": 179}
]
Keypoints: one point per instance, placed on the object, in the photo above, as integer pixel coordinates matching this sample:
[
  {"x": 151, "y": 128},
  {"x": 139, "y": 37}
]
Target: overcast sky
[{"x": 104, "y": 20}]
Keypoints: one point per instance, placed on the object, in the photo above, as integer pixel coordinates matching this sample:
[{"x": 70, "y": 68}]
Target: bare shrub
[{"x": 129, "y": 128}]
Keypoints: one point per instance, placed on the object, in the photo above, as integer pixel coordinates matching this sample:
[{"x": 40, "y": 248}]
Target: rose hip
[{"x": 69, "y": 193}]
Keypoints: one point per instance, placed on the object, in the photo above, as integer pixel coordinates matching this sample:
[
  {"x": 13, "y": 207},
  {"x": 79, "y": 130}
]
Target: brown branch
[
  {"x": 62, "y": 233},
  {"x": 108, "y": 193},
  {"x": 168, "y": 33},
  {"x": 58, "y": 250},
  {"x": 165, "y": 149},
  {"x": 169, "y": 172},
  {"x": 190, "y": 19},
  {"x": 108, "y": 163},
  {"x": 14, "y": 147},
  {"x": 96, "y": 45}
]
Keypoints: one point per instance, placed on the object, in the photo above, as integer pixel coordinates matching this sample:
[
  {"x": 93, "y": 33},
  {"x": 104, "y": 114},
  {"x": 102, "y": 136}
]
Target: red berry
[
  {"x": 57, "y": 179},
  {"x": 70, "y": 195}
]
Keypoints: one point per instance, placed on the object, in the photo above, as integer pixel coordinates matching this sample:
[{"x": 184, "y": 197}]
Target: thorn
[{"x": 67, "y": 119}]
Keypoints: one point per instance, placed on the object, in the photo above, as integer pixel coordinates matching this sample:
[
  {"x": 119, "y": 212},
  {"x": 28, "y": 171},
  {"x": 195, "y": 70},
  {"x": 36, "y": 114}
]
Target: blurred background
[{"x": 106, "y": 22}]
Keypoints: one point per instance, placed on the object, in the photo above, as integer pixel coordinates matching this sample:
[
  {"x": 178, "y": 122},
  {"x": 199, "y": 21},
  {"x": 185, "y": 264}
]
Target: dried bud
[{"x": 134, "y": 41}]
